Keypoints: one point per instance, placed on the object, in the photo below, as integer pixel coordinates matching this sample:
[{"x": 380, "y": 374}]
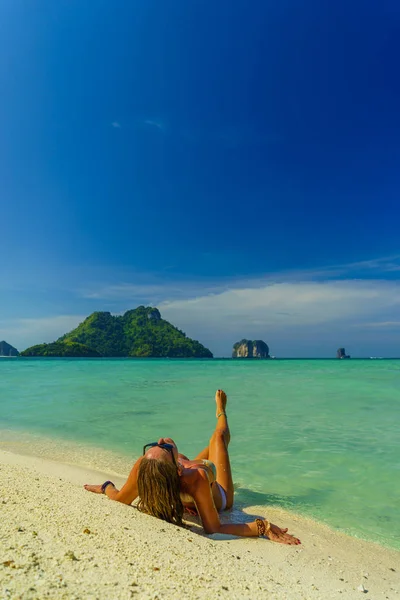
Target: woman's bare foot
[
  {"x": 96, "y": 489},
  {"x": 221, "y": 400}
]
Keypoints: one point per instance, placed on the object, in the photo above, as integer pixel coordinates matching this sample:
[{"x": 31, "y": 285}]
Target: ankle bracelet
[{"x": 220, "y": 414}]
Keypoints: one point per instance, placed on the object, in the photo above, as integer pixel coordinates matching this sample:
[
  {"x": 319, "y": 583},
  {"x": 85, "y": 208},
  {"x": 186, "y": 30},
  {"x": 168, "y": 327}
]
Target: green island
[{"x": 140, "y": 332}]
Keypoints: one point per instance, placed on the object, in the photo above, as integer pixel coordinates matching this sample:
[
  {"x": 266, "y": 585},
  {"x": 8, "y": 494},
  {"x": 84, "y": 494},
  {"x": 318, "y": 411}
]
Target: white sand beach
[{"x": 59, "y": 541}]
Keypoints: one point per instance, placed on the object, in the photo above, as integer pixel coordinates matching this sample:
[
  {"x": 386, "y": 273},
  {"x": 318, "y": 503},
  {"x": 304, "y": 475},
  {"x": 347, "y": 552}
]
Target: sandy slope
[{"x": 59, "y": 541}]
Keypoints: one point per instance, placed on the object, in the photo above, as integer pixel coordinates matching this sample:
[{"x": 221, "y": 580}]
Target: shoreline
[
  {"x": 75, "y": 457},
  {"x": 59, "y": 541}
]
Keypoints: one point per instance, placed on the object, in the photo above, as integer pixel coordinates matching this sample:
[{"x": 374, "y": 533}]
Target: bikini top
[{"x": 211, "y": 471}]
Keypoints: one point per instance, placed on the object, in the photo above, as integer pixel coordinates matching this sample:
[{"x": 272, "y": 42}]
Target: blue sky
[{"x": 234, "y": 163}]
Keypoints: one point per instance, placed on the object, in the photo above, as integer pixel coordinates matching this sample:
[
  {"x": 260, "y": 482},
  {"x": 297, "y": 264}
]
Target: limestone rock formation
[
  {"x": 250, "y": 349},
  {"x": 7, "y": 349},
  {"x": 154, "y": 314},
  {"x": 341, "y": 353}
]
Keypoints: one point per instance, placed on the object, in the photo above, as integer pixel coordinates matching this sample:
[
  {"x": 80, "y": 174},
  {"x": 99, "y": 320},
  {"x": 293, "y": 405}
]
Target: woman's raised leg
[{"x": 218, "y": 448}]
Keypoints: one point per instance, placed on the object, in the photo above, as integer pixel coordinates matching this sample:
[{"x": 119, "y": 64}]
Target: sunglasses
[{"x": 168, "y": 447}]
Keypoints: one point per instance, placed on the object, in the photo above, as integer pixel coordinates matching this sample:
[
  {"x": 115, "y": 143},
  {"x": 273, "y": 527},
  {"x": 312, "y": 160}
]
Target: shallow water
[{"x": 313, "y": 436}]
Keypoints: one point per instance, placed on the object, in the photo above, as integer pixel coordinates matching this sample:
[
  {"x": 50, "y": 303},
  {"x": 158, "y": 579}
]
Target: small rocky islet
[{"x": 250, "y": 349}]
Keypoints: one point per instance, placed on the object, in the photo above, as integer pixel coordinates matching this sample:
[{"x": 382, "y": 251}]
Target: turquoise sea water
[{"x": 317, "y": 437}]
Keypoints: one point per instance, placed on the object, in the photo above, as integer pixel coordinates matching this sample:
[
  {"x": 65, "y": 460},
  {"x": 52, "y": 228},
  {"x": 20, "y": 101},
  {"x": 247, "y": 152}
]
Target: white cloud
[
  {"x": 158, "y": 289},
  {"x": 156, "y": 124},
  {"x": 385, "y": 264},
  {"x": 289, "y": 304},
  {"x": 116, "y": 125},
  {"x": 295, "y": 318},
  {"x": 124, "y": 291},
  {"x": 23, "y": 333},
  {"x": 147, "y": 292},
  {"x": 380, "y": 324}
]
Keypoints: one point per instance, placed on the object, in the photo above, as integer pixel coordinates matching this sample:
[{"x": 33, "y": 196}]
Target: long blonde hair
[{"x": 159, "y": 490}]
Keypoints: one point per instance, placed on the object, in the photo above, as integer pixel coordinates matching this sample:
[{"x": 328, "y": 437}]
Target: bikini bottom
[{"x": 223, "y": 496}]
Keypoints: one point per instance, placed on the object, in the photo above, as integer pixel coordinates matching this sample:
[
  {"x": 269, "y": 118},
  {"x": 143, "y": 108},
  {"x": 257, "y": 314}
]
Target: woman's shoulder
[
  {"x": 193, "y": 477},
  {"x": 186, "y": 462}
]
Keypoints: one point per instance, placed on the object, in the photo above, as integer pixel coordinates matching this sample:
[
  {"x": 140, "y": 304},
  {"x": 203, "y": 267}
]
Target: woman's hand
[
  {"x": 96, "y": 489},
  {"x": 276, "y": 534}
]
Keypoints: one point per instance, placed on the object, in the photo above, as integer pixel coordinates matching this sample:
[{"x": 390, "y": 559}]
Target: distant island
[
  {"x": 250, "y": 349},
  {"x": 140, "y": 332},
  {"x": 7, "y": 350},
  {"x": 341, "y": 353}
]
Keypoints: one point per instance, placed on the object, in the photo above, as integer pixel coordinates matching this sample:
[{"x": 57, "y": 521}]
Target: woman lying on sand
[{"x": 167, "y": 482}]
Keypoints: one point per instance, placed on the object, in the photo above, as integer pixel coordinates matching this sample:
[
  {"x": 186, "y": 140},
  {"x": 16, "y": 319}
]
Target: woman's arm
[
  {"x": 274, "y": 533},
  {"x": 127, "y": 493},
  {"x": 211, "y": 523}
]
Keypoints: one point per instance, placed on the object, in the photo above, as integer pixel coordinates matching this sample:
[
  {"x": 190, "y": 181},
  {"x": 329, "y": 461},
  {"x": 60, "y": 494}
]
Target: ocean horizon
[
  {"x": 151, "y": 358},
  {"x": 317, "y": 437}
]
